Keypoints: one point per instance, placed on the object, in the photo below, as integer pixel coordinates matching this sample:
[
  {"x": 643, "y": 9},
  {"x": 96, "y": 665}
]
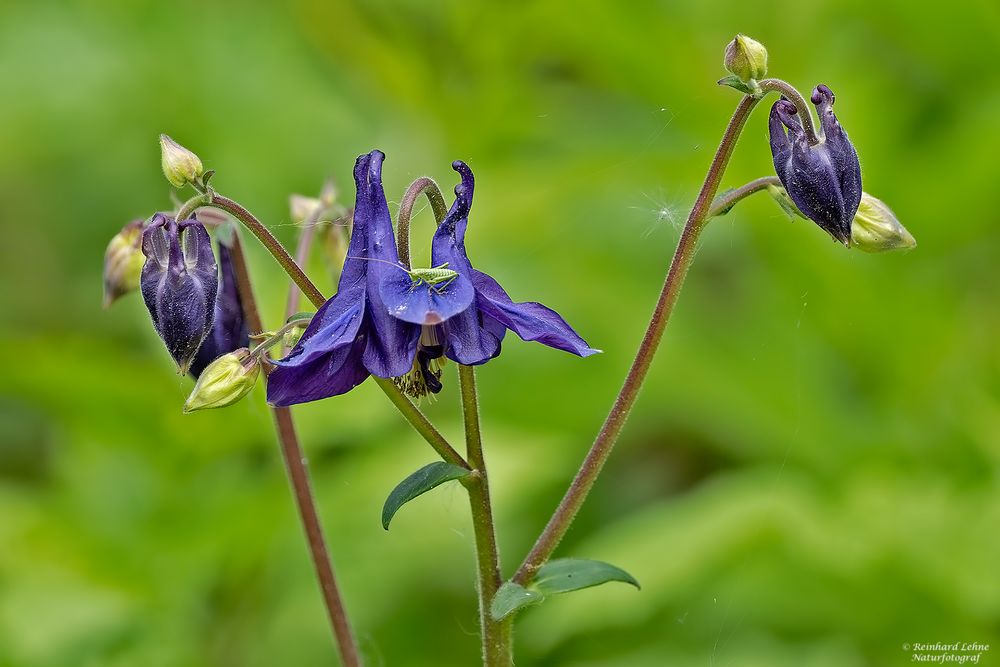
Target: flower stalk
[
  {"x": 298, "y": 474},
  {"x": 727, "y": 200},
  {"x": 595, "y": 459},
  {"x": 421, "y": 186},
  {"x": 496, "y": 635}
]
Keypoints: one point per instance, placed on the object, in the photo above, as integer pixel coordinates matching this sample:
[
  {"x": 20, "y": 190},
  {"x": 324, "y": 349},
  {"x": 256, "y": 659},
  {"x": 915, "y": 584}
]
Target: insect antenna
[{"x": 375, "y": 259}]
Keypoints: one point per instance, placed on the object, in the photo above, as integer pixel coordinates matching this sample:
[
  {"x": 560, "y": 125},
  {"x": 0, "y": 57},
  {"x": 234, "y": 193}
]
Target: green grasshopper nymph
[{"x": 437, "y": 278}]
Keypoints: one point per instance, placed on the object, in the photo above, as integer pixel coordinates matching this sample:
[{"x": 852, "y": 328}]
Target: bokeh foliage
[{"x": 810, "y": 477}]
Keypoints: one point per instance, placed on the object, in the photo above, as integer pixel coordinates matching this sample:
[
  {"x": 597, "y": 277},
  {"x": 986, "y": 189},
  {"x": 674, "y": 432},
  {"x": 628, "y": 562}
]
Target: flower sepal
[
  {"x": 823, "y": 180},
  {"x": 179, "y": 285},
  {"x": 229, "y": 328},
  {"x": 736, "y": 83}
]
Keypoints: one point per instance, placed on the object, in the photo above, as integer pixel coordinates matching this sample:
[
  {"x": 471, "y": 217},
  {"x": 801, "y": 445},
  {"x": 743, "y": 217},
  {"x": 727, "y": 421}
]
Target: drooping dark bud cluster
[
  {"x": 823, "y": 180},
  {"x": 179, "y": 284}
]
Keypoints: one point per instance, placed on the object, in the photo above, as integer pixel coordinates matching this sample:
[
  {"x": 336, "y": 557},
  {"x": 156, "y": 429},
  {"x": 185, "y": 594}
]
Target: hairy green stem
[
  {"x": 410, "y": 412},
  {"x": 193, "y": 204},
  {"x": 592, "y": 464},
  {"x": 727, "y": 200},
  {"x": 420, "y": 424},
  {"x": 496, "y": 635},
  {"x": 298, "y": 474}
]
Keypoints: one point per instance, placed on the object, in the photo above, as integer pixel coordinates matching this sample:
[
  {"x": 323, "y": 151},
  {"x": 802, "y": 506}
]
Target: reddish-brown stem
[
  {"x": 298, "y": 474},
  {"x": 563, "y": 517}
]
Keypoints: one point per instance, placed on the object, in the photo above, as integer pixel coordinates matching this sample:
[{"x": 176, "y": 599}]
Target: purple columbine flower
[
  {"x": 179, "y": 283},
  {"x": 352, "y": 335},
  {"x": 823, "y": 180},
  {"x": 229, "y": 331},
  {"x": 469, "y": 331}
]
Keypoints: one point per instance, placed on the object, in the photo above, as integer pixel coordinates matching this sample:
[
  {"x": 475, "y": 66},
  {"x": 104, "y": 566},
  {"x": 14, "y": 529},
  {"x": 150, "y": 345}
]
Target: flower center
[{"x": 425, "y": 376}]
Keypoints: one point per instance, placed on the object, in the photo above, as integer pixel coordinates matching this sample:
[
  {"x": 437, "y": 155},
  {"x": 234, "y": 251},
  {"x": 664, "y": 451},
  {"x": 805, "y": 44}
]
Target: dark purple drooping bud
[
  {"x": 823, "y": 180},
  {"x": 179, "y": 284},
  {"x": 229, "y": 331}
]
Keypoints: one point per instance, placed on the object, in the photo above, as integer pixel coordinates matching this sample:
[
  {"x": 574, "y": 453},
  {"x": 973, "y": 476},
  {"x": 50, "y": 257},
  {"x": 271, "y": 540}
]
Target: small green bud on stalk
[
  {"x": 875, "y": 228},
  {"x": 746, "y": 58},
  {"x": 123, "y": 262},
  {"x": 224, "y": 381},
  {"x": 180, "y": 165}
]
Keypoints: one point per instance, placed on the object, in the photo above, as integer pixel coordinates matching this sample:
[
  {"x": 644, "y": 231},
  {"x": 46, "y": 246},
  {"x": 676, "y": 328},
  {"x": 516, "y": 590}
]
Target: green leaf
[
  {"x": 511, "y": 597},
  {"x": 557, "y": 576},
  {"x": 421, "y": 481},
  {"x": 571, "y": 574},
  {"x": 306, "y": 315},
  {"x": 736, "y": 82}
]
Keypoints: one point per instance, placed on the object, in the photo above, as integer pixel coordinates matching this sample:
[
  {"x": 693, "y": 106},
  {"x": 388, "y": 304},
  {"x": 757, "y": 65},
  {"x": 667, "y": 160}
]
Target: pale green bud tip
[
  {"x": 746, "y": 58},
  {"x": 224, "y": 381},
  {"x": 301, "y": 207},
  {"x": 875, "y": 228},
  {"x": 123, "y": 262},
  {"x": 180, "y": 165},
  {"x": 328, "y": 193}
]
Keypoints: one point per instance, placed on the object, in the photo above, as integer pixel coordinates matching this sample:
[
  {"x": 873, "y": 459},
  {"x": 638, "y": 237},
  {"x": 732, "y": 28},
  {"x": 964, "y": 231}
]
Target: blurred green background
[{"x": 810, "y": 477}]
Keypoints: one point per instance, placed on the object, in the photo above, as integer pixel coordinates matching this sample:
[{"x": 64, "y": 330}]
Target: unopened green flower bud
[
  {"x": 302, "y": 207},
  {"x": 180, "y": 165},
  {"x": 746, "y": 58},
  {"x": 875, "y": 228},
  {"x": 123, "y": 262},
  {"x": 224, "y": 381}
]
